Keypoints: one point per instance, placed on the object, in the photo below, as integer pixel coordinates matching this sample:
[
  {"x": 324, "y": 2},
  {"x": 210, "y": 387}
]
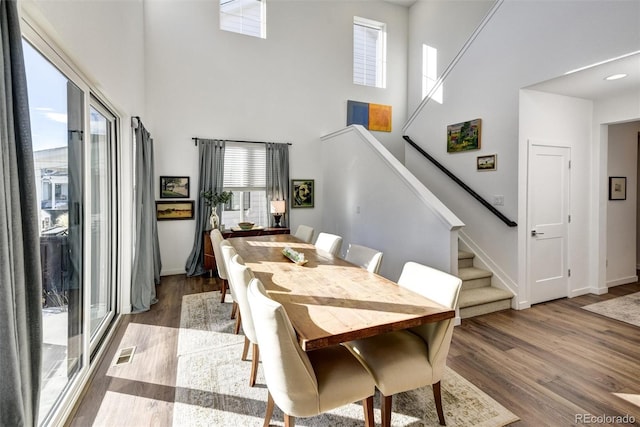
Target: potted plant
[{"x": 214, "y": 199}]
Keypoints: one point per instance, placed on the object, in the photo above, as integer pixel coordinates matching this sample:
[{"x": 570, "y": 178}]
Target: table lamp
[{"x": 278, "y": 207}]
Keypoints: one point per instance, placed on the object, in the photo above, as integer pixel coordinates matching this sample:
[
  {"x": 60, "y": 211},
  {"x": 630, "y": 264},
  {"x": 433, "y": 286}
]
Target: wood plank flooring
[{"x": 547, "y": 364}]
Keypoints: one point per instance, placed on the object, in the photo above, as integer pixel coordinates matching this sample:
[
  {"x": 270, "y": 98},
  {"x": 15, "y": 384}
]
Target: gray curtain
[
  {"x": 146, "y": 261},
  {"x": 20, "y": 279},
  {"x": 278, "y": 177},
  {"x": 211, "y": 179}
]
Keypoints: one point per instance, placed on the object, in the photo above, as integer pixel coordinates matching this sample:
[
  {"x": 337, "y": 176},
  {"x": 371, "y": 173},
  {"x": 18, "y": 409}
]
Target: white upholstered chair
[
  {"x": 304, "y": 384},
  {"x": 216, "y": 239},
  {"x": 228, "y": 252},
  {"x": 413, "y": 358},
  {"x": 364, "y": 257},
  {"x": 239, "y": 277},
  {"x": 329, "y": 243},
  {"x": 304, "y": 232}
]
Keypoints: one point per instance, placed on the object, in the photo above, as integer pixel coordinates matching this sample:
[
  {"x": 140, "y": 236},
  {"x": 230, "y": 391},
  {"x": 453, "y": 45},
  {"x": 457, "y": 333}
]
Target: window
[
  {"x": 430, "y": 73},
  {"x": 75, "y": 166},
  {"x": 369, "y": 52},
  {"x": 245, "y": 166},
  {"x": 246, "y": 17}
]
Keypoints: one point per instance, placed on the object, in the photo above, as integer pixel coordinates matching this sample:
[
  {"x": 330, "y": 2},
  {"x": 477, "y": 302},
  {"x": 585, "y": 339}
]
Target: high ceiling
[{"x": 590, "y": 82}]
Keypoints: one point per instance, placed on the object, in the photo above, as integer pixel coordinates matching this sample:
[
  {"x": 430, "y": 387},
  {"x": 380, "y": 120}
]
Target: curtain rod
[{"x": 195, "y": 139}]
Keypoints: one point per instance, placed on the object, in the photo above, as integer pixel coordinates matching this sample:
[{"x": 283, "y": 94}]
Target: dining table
[{"x": 329, "y": 300}]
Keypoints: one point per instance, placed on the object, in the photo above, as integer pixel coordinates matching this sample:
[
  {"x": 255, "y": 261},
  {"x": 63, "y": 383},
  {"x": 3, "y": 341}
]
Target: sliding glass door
[
  {"x": 103, "y": 238},
  {"x": 74, "y": 143}
]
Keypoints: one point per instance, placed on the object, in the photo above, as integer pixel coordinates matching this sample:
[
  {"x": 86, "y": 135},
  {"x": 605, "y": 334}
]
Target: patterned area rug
[
  {"x": 625, "y": 308},
  {"x": 212, "y": 387}
]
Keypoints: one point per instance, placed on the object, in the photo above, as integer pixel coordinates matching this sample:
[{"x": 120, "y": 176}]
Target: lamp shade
[{"x": 278, "y": 206}]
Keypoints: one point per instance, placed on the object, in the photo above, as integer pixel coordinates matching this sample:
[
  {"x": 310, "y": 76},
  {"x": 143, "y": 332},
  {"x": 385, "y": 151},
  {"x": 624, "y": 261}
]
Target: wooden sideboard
[{"x": 209, "y": 257}]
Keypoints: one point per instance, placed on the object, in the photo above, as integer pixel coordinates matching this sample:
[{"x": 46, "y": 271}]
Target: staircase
[{"x": 477, "y": 296}]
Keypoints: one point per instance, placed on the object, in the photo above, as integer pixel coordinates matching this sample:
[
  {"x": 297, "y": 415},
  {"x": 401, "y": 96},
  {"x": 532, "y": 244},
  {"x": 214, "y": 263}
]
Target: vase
[{"x": 214, "y": 219}]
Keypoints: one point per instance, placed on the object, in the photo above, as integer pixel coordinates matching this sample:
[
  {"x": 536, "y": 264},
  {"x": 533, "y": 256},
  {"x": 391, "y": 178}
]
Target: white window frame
[
  {"x": 430, "y": 74},
  {"x": 361, "y": 56},
  {"x": 235, "y": 16}
]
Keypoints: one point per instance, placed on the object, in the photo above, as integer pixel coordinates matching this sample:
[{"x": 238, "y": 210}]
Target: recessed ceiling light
[{"x": 616, "y": 77}]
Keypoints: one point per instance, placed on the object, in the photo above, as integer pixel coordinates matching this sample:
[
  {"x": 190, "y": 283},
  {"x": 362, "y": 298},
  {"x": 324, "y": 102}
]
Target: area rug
[
  {"x": 625, "y": 308},
  {"x": 212, "y": 385}
]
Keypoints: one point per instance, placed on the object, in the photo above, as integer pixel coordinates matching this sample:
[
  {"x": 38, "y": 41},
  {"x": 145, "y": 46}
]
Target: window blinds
[{"x": 245, "y": 166}]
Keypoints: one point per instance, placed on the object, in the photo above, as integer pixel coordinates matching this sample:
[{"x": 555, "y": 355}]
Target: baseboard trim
[{"x": 622, "y": 281}]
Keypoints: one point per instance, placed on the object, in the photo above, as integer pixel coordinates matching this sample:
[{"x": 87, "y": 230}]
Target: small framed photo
[
  {"x": 166, "y": 210},
  {"x": 174, "y": 187},
  {"x": 302, "y": 193},
  {"x": 617, "y": 188},
  {"x": 487, "y": 163}
]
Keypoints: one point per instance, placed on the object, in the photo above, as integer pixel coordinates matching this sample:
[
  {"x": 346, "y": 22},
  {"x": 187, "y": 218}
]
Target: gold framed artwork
[
  {"x": 487, "y": 163},
  {"x": 166, "y": 210}
]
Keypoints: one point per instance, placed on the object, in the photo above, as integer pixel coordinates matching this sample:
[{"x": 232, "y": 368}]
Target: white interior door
[{"x": 548, "y": 219}]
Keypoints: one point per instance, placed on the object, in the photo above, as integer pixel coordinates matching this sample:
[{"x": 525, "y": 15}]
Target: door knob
[{"x": 534, "y": 233}]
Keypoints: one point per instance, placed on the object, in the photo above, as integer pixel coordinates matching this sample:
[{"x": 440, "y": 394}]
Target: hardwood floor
[{"x": 547, "y": 364}]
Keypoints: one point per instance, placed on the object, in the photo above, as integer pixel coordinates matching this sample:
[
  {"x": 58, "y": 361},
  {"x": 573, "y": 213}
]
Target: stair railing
[{"x": 457, "y": 180}]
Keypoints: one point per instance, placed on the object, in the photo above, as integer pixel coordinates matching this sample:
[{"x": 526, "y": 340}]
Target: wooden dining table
[{"x": 329, "y": 300}]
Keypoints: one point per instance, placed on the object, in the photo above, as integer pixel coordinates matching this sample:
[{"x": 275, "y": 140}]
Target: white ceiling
[{"x": 590, "y": 83}]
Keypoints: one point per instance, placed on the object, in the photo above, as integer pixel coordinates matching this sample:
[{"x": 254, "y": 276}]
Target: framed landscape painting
[
  {"x": 166, "y": 210},
  {"x": 464, "y": 136},
  {"x": 487, "y": 163},
  {"x": 174, "y": 187}
]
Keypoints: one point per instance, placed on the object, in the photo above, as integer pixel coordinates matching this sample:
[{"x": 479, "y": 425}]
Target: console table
[{"x": 209, "y": 257}]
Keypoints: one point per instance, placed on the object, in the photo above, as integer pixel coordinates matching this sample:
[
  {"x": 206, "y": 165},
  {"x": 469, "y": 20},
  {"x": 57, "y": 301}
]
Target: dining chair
[
  {"x": 216, "y": 239},
  {"x": 304, "y": 232},
  {"x": 329, "y": 243},
  {"x": 304, "y": 384},
  {"x": 239, "y": 276},
  {"x": 228, "y": 252},
  {"x": 364, "y": 257},
  {"x": 409, "y": 359}
]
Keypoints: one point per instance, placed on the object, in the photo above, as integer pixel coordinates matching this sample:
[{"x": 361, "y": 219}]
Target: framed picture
[
  {"x": 487, "y": 163},
  {"x": 617, "y": 188},
  {"x": 166, "y": 210},
  {"x": 302, "y": 193},
  {"x": 174, "y": 187},
  {"x": 464, "y": 136}
]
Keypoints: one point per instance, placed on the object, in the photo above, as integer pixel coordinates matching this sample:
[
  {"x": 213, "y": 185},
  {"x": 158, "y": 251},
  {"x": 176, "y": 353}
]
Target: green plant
[{"x": 214, "y": 199}]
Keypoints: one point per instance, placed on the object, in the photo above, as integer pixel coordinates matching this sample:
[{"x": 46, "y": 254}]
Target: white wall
[
  {"x": 559, "y": 121},
  {"x": 291, "y": 87},
  {"x": 444, "y": 25},
  {"x": 373, "y": 200},
  {"x": 524, "y": 43},
  {"x": 104, "y": 42},
  {"x": 621, "y": 214}
]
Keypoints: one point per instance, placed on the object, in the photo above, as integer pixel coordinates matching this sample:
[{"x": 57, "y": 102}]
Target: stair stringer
[{"x": 499, "y": 279}]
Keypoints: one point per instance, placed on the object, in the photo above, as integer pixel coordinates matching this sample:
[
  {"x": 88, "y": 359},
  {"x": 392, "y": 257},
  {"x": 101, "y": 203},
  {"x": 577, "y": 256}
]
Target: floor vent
[{"x": 125, "y": 355}]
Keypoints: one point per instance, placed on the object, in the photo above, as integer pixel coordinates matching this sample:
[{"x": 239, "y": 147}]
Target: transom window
[
  {"x": 246, "y": 17},
  {"x": 369, "y": 52}
]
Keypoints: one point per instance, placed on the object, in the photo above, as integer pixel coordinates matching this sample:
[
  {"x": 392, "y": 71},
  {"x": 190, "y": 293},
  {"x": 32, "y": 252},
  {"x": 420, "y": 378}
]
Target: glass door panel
[
  {"x": 102, "y": 126},
  {"x": 57, "y": 126}
]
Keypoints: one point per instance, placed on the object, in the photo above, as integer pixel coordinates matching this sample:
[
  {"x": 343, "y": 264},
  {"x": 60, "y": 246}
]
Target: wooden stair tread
[
  {"x": 473, "y": 297},
  {"x": 465, "y": 255}
]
